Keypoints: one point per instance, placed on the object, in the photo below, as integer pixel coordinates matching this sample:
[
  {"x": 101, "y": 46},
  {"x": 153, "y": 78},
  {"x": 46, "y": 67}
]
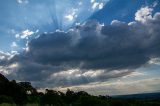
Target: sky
[{"x": 104, "y": 47}]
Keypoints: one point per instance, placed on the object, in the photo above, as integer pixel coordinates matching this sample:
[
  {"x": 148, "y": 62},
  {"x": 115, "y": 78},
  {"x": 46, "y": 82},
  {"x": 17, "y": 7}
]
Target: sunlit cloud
[
  {"x": 119, "y": 87},
  {"x": 144, "y": 14},
  {"x": 101, "y": 5},
  {"x": 22, "y": 1},
  {"x": 97, "y": 5},
  {"x": 12, "y": 68},
  {"x": 24, "y": 34},
  {"x": 154, "y": 61},
  {"x": 71, "y": 15}
]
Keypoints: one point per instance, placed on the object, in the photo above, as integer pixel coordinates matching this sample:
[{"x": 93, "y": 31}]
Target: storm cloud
[{"x": 88, "y": 53}]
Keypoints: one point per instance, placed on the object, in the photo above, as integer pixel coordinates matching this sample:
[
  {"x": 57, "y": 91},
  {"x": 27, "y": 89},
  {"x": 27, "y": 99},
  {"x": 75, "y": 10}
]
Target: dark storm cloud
[
  {"x": 115, "y": 46},
  {"x": 119, "y": 46}
]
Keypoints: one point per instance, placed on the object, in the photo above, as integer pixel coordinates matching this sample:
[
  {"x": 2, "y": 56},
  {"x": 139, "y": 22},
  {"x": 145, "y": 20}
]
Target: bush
[{"x": 6, "y": 99}]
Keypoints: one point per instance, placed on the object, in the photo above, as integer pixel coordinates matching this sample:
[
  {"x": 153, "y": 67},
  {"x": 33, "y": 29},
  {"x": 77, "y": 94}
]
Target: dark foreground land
[{"x": 23, "y": 94}]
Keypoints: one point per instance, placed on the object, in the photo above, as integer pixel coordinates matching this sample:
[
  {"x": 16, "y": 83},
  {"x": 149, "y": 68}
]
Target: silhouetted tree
[
  {"x": 28, "y": 87},
  {"x": 51, "y": 97}
]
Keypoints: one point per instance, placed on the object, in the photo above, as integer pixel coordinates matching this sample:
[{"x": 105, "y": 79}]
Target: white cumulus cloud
[
  {"x": 24, "y": 34},
  {"x": 97, "y": 5},
  {"x": 71, "y": 14},
  {"x": 143, "y": 14}
]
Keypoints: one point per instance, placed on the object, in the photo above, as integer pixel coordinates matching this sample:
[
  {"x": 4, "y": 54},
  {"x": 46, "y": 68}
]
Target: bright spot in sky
[
  {"x": 14, "y": 45},
  {"x": 96, "y": 5},
  {"x": 101, "y": 6},
  {"x": 69, "y": 17},
  {"x": 72, "y": 14},
  {"x": 92, "y": 1},
  {"x": 22, "y": 1},
  {"x": 24, "y": 34}
]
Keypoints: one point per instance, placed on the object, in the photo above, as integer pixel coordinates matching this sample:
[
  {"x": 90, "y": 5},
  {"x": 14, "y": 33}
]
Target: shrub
[{"x": 6, "y": 99}]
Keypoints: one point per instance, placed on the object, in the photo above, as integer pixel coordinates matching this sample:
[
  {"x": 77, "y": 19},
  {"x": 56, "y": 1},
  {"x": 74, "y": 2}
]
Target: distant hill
[{"x": 155, "y": 95}]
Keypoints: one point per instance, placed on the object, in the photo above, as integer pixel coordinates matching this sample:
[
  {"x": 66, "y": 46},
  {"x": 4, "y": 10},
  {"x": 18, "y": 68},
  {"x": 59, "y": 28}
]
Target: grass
[
  {"x": 31, "y": 105},
  {"x": 5, "y": 104}
]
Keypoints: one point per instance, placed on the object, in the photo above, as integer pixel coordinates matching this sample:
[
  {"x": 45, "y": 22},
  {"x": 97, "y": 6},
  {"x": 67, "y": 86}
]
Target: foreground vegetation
[{"x": 23, "y": 94}]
